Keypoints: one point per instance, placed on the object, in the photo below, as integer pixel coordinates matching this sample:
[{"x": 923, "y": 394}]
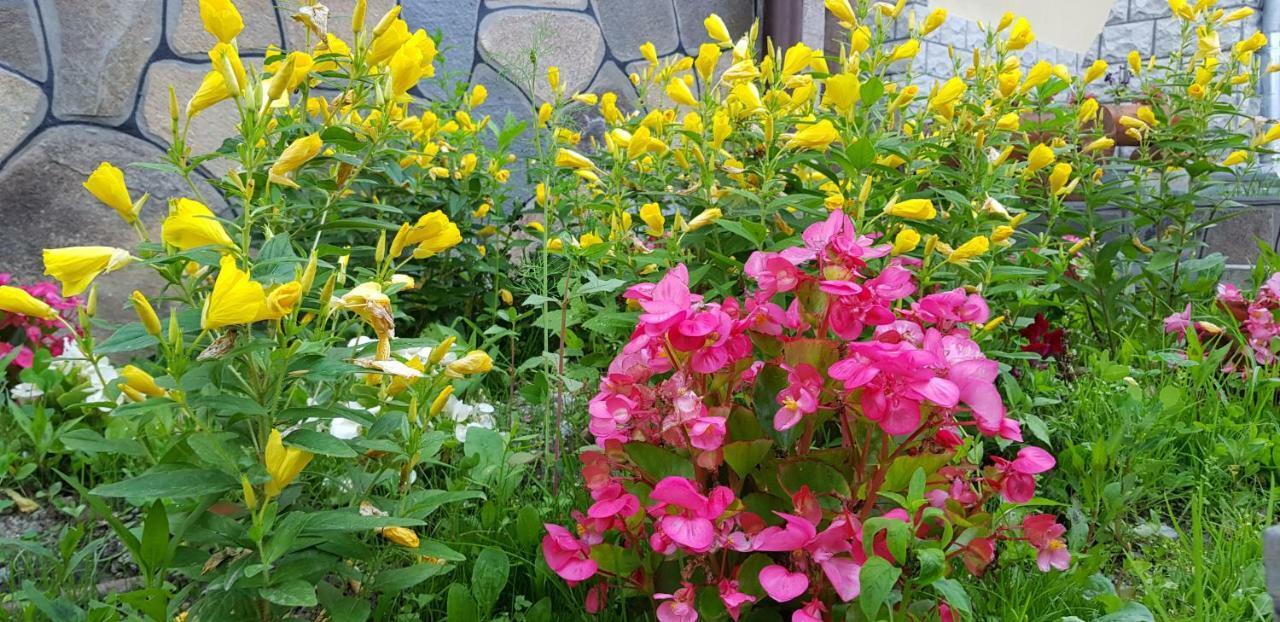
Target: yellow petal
[
  {"x": 76, "y": 266},
  {"x": 191, "y": 225}
]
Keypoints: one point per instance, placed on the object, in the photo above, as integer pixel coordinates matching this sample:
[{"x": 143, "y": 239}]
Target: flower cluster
[
  {"x": 1256, "y": 319},
  {"x": 782, "y": 425}
]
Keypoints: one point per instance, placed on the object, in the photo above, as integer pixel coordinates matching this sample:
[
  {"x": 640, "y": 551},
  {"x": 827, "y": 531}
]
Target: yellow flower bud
[{"x": 146, "y": 314}]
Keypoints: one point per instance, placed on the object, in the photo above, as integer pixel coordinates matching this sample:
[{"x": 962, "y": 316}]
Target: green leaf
[
  {"x": 1131, "y": 612},
  {"x": 615, "y": 559},
  {"x": 656, "y": 462},
  {"x": 819, "y": 476},
  {"x": 528, "y": 525},
  {"x": 954, "y": 593},
  {"x": 294, "y": 593},
  {"x": 871, "y": 91},
  {"x": 175, "y": 484},
  {"x": 399, "y": 579},
  {"x": 743, "y": 456},
  {"x": 127, "y": 338},
  {"x": 540, "y": 611},
  {"x": 351, "y": 520},
  {"x": 155, "y": 537},
  {"x": 459, "y": 606},
  {"x": 753, "y": 232},
  {"x": 933, "y": 563},
  {"x": 878, "y": 578},
  {"x": 320, "y": 443},
  {"x": 438, "y": 550},
  {"x": 91, "y": 442},
  {"x": 423, "y": 503},
  {"x": 488, "y": 577},
  {"x": 342, "y": 608}
]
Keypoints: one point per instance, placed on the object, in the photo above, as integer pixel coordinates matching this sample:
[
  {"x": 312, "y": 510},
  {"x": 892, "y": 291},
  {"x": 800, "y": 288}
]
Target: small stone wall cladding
[{"x": 82, "y": 81}]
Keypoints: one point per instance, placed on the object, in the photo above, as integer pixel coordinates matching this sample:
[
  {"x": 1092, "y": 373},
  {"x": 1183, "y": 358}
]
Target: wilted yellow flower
[
  {"x": 934, "y": 19},
  {"x": 817, "y": 136},
  {"x": 912, "y": 209},
  {"x": 140, "y": 381},
  {"x": 706, "y": 217},
  {"x": 717, "y": 30},
  {"x": 77, "y": 266},
  {"x": 1040, "y": 157},
  {"x": 17, "y": 300},
  {"x": 402, "y": 536},
  {"x": 367, "y": 301},
  {"x": 106, "y": 183},
  {"x": 284, "y": 464},
  {"x": 434, "y": 233},
  {"x": 652, "y": 216},
  {"x": 146, "y": 314},
  {"x": 1020, "y": 36},
  {"x": 976, "y": 246},
  {"x": 1237, "y": 15},
  {"x": 1235, "y": 157},
  {"x": 1244, "y": 50},
  {"x": 299, "y": 152},
  {"x": 221, "y": 19},
  {"x": 1058, "y": 178},
  {"x": 235, "y": 299},
  {"x": 906, "y": 49},
  {"x": 1075, "y": 248},
  {"x": 569, "y": 158},
  {"x": 475, "y": 362},
  {"x": 905, "y": 241},
  {"x": 191, "y": 225}
]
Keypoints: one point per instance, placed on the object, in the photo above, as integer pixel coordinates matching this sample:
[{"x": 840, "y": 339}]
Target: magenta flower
[
  {"x": 1045, "y": 534},
  {"x": 685, "y": 515},
  {"x": 799, "y": 398},
  {"x": 946, "y": 309},
  {"x": 895, "y": 379},
  {"x": 772, "y": 272},
  {"x": 568, "y": 556},
  {"x": 732, "y": 598},
  {"x": 1019, "y": 486},
  {"x": 812, "y": 611},
  {"x": 679, "y": 607},
  {"x": 1178, "y": 322},
  {"x": 781, "y": 584}
]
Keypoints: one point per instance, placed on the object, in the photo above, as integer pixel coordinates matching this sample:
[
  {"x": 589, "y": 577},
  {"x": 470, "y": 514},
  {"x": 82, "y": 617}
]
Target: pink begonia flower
[
  {"x": 781, "y": 584},
  {"x": 972, "y": 373},
  {"x": 612, "y": 501},
  {"x": 772, "y": 272},
  {"x": 811, "y": 612},
  {"x": 679, "y": 607},
  {"x": 1019, "y": 482},
  {"x": 1261, "y": 326},
  {"x": 799, "y": 398},
  {"x": 1178, "y": 322},
  {"x": 732, "y": 598},
  {"x": 665, "y": 304},
  {"x": 691, "y": 526},
  {"x": 838, "y": 236},
  {"x": 1045, "y": 534},
  {"x": 1269, "y": 293},
  {"x": 946, "y": 309},
  {"x": 895, "y": 379},
  {"x": 832, "y": 549},
  {"x": 568, "y": 556},
  {"x": 595, "y": 600},
  {"x": 944, "y": 612}
]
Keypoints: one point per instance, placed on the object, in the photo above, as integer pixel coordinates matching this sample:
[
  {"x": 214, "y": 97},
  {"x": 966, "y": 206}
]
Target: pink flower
[
  {"x": 665, "y": 304},
  {"x": 685, "y": 516},
  {"x": 799, "y": 398},
  {"x": 568, "y": 556},
  {"x": 946, "y": 309},
  {"x": 895, "y": 379},
  {"x": 832, "y": 549},
  {"x": 772, "y": 272},
  {"x": 811, "y": 612},
  {"x": 732, "y": 598},
  {"x": 972, "y": 373},
  {"x": 1178, "y": 322},
  {"x": 1045, "y": 534},
  {"x": 612, "y": 501},
  {"x": 781, "y": 584},
  {"x": 679, "y": 607},
  {"x": 1019, "y": 485}
]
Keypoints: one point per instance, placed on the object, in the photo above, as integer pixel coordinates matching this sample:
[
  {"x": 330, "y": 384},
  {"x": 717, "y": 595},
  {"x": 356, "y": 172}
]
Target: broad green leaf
[
  {"x": 155, "y": 537},
  {"x": 459, "y": 606},
  {"x": 615, "y": 559},
  {"x": 488, "y": 577},
  {"x": 877, "y": 578},
  {"x": 743, "y": 456},
  {"x": 175, "y": 484},
  {"x": 656, "y": 462},
  {"x": 399, "y": 579},
  {"x": 954, "y": 593},
  {"x": 351, "y": 520},
  {"x": 127, "y": 338},
  {"x": 91, "y": 442},
  {"x": 294, "y": 593},
  {"x": 820, "y": 477},
  {"x": 320, "y": 443}
]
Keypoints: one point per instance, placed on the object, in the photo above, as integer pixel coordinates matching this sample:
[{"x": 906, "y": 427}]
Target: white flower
[{"x": 343, "y": 428}]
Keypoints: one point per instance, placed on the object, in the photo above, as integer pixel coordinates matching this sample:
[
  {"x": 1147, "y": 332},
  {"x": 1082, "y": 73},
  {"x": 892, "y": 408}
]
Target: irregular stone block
[
  {"x": 1149, "y": 9},
  {"x": 21, "y": 40},
  {"x": 737, "y": 16},
  {"x": 99, "y": 52},
  {"x": 570, "y": 41},
  {"x": 206, "y": 133},
  {"x": 1119, "y": 12},
  {"x": 1237, "y": 237},
  {"x": 187, "y": 37},
  {"x": 456, "y": 21},
  {"x": 295, "y": 34},
  {"x": 22, "y": 108},
  {"x": 612, "y": 78},
  {"x": 44, "y": 205},
  {"x": 1120, "y": 39},
  {"x": 628, "y": 24}
]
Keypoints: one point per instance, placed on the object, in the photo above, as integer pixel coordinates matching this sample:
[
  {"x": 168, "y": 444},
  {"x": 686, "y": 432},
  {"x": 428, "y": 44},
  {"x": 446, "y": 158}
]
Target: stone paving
[{"x": 83, "y": 81}]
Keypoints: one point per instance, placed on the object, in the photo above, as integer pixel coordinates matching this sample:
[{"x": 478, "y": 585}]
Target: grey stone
[
  {"x": 572, "y": 5},
  {"x": 937, "y": 60},
  {"x": 339, "y": 22},
  {"x": 953, "y": 31},
  {"x": 46, "y": 206},
  {"x": 22, "y": 107},
  {"x": 1119, "y": 12},
  {"x": 612, "y": 78},
  {"x": 570, "y": 41},
  {"x": 1148, "y": 9},
  {"x": 737, "y": 16},
  {"x": 1120, "y": 39},
  {"x": 506, "y": 98},
  {"x": 1168, "y": 36},
  {"x": 456, "y": 21},
  {"x": 628, "y": 24},
  {"x": 1237, "y": 236},
  {"x": 21, "y": 41},
  {"x": 99, "y": 52},
  {"x": 187, "y": 37},
  {"x": 206, "y": 133},
  {"x": 1271, "y": 559}
]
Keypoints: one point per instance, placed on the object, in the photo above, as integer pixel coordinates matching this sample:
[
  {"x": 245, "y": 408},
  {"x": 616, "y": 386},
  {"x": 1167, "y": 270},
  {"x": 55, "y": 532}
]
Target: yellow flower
[
  {"x": 475, "y": 362},
  {"x": 400, "y": 535},
  {"x": 652, "y": 216},
  {"x": 1099, "y": 144},
  {"x": 842, "y": 92},
  {"x": 708, "y": 56},
  {"x": 235, "y": 299},
  {"x": 1088, "y": 112},
  {"x": 146, "y": 314},
  {"x": 1040, "y": 157},
  {"x": 140, "y": 381},
  {"x": 553, "y": 78},
  {"x": 388, "y": 42},
  {"x": 367, "y": 301},
  {"x": 796, "y": 59},
  {"x": 299, "y": 152},
  {"x": 77, "y": 266},
  {"x": 649, "y": 52},
  {"x": 1058, "y": 178},
  {"x": 284, "y": 464},
  {"x": 817, "y": 136},
  {"x": 944, "y": 100},
  {"x": 912, "y": 209},
  {"x": 906, "y": 241},
  {"x": 1001, "y": 234},
  {"x": 935, "y": 19},
  {"x": 679, "y": 93},
  {"x": 1135, "y": 62},
  {"x": 1182, "y": 9},
  {"x": 280, "y": 301},
  {"x": 221, "y": 19},
  {"x": 213, "y": 89},
  {"x": 191, "y": 225},
  {"x": 906, "y": 49},
  {"x": 226, "y": 61},
  {"x": 842, "y": 11},
  {"x": 507, "y": 297},
  {"x": 706, "y": 217},
  {"x": 993, "y": 324},
  {"x": 434, "y": 233},
  {"x": 478, "y": 96},
  {"x": 976, "y": 246},
  {"x": 555, "y": 245},
  {"x": 1094, "y": 71},
  {"x": 1237, "y": 15},
  {"x": 106, "y": 183},
  {"x": 1020, "y": 36},
  {"x": 717, "y": 30},
  {"x": 569, "y": 158},
  {"x": 406, "y": 68},
  {"x": 1039, "y": 74},
  {"x": 1235, "y": 157},
  {"x": 1266, "y": 138},
  {"x": 1009, "y": 122},
  {"x": 17, "y": 300},
  {"x": 589, "y": 239},
  {"x": 1075, "y": 248}
]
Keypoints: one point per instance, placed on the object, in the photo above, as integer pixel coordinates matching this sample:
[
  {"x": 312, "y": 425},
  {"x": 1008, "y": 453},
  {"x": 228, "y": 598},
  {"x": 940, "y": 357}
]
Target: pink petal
[
  {"x": 782, "y": 585},
  {"x": 843, "y": 575}
]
